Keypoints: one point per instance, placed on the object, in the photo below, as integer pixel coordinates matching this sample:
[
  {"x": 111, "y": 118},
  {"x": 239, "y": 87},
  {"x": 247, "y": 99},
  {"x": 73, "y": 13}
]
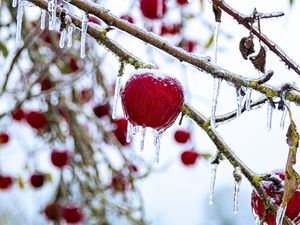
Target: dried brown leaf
[
  {"x": 247, "y": 46},
  {"x": 259, "y": 61}
]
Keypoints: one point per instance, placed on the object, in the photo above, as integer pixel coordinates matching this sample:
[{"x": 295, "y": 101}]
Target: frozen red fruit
[
  {"x": 133, "y": 168},
  {"x": 121, "y": 130},
  {"x": 46, "y": 84},
  {"x": 183, "y": 2},
  {"x": 53, "y": 211},
  {"x": 85, "y": 95},
  {"x": 60, "y": 158},
  {"x": 36, "y": 120},
  {"x": 37, "y": 179},
  {"x": 93, "y": 19},
  {"x": 182, "y": 136},
  {"x": 275, "y": 192},
  {"x": 128, "y": 18},
  {"x": 5, "y": 182},
  {"x": 152, "y": 101},
  {"x": 4, "y": 138},
  {"x": 72, "y": 214},
  {"x": 188, "y": 45},
  {"x": 189, "y": 157},
  {"x": 170, "y": 29},
  {"x": 18, "y": 114},
  {"x": 73, "y": 65},
  {"x": 119, "y": 183},
  {"x": 101, "y": 110},
  {"x": 153, "y": 9}
]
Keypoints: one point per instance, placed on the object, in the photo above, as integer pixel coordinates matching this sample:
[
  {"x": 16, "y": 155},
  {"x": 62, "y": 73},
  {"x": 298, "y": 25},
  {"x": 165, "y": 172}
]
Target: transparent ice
[
  {"x": 14, "y": 3},
  {"x": 239, "y": 98},
  {"x": 129, "y": 132},
  {"x": 70, "y": 34},
  {"x": 20, "y": 12},
  {"x": 217, "y": 85},
  {"x": 213, "y": 175},
  {"x": 269, "y": 117},
  {"x": 43, "y": 19},
  {"x": 156, "y": 140},
  {"x": 62, "y": 39},
  {"x": 116, "y": 96},
  {"x": 52, "y": 5},
  {"x": 237, "y": 183},
  {"x": 84, "y": 26},
  {"x": 142, "y": 136},
  {"x": 216, "y": 39},
  {"x": 282, "y": 120},
  {"x": 280, "y": 215},
  {"x": 248, "y": 99}
]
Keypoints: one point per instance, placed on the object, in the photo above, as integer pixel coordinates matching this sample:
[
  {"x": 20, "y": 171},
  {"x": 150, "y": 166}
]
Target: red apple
[
  {"x": 46, "y": 83},
  {"x": 189, "y": 157},
  {"x": 188, "y": 45},
  {"x": 119, "y": 183},
  {"x": 72, "y": 214},
  {"x": 170, "y": 29},
  {"x": 128, "y": 18},
  {"x": 153, "y": 9},
  {"x": 120, "y": 131},
  {"x": 18, "y": 114},
  {"x": 183, "y": 2},
  {"x": 93, "y": 19},
  {"x": 101, "y": 110}
]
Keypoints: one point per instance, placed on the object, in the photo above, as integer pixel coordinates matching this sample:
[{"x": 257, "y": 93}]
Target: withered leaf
[
  {"x": 218, "y": 13},
  {"x": 259, "y": 61},
  {"x": 247, "y": 46}
]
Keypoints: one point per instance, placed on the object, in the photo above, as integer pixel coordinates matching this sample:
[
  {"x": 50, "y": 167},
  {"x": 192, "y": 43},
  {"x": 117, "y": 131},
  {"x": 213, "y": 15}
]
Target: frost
[
  {"x": 280, "y": 215},
  {"x": 20, "y": 12},
  {"x": 62, "y": 39},
  {"x": 237, "y": 183},
  {"x": 142, "y": 140},
  {"x": 116, "y": 96},
  {"x": 269, "y": 116},
  {"x": 84, "y": 26},
  {"x": 70, "y": 34},
  {"x": 217, "y": 85},
  {"x": 43, "y": 19},
  {"x": 213, "y": 175}
]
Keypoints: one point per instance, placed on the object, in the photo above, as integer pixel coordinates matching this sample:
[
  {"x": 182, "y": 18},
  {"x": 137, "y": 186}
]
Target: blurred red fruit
[
  {"x": 5, "y": 182},
  {"x": 18, "y": 114},
  {"x": 189, "y": 157},
  {"x": 120, "y": 131},
  {"x": 93, "y": 19},
  {"x": 133, "y": 168},
  {"x": 153, "y": 9},
  {"x": 182, "y": 136},
  {"x": 275, "y": 193},
  {"x": 128, "y": 18},
  {"x": 37, "y": 179},
  {"x": 60, "y": 158},
  {"x": 73, "y": 65},
  {"x": 85, "y": 95},
  {"x": 101, "y": 110},
  {"x": 188, "y": 45},
  {"x": 119, "y": 183},
  {"x": 46, "y": 83},
  {"x": 152, "y": 101},
  {"x": 183, "y": 2},
  {"x": 4, "y": 138},
  {"x": 72, "y": 214},
  {"x": 53, "y": 211},
  {"x": 170, "y": 29},
  {"x": 36, "y": 120}
]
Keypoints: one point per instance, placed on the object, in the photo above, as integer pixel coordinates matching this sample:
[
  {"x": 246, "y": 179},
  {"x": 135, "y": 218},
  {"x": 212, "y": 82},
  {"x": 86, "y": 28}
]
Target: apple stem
[
  {"x": 20, "y": 12},
  {"x": 52, "y": 4},
  {"x": 84, "y": 26},
  {"x": 70, "y": 33},
  {"x": 248, "y": 99},
  {"x": 213, "y": 175},
  {"x": 43, "y": 19},
  {"x": 269, "y": 116},
  {"x": 217, "y": 85},
  {"x": 282, "y": 120},
  {"x": 280, "y": 214}
]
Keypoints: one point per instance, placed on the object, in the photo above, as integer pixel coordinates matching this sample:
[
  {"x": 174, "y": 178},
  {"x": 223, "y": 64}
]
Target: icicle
[
  {"x": 216, "y": 39},
  {"x": 237, "y": 183},
  {"x": 116, "y": 96},
  {"x": 20, "y": 12},
  {"x": 14, "y": 3},
  {"x": 280, "y": 215},
  {"x": 217, "y": 85},
  {"x": 70, "y": 33},
  {"x": 239, "y": 98},
  {"x": 257, "y": 221},
  {"x": 156, "y": 140},
  {"x": 248, "y": 99},
  {"x": 52, "y": 4},
  {"x": 213, "y": 175},
  {"x": 43, "y": 19},
  {"x": 269, "y": 117},
  {"x": 129, "y": 132},
  {"x": 143, "y": 134},
  {"x": 84, "y": 26},
  {"x": 282, "y": 120},
  {"x": 62, "y": 39},
  {"x": 135, "y": 130}
]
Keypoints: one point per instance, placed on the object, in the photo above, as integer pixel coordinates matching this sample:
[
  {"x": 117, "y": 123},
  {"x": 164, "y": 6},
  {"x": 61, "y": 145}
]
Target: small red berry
[
  {"x": 93, "y": 19},
  {"x": 152, "y": 101},
  {"x": 128, "y": 18},
  {"x": 119, "y": 183},
  {"x": 182, "y": 136},
  {"x": 85, "y": 95},
  {"x": 72, "y": 214},
  {"x": 18, "y": 114},
  {"x": 37, "y": 179},
  {"x": 5, "y": 182},
  {"x": 189, "y": 157},
  {"x": 36, "y": 119},
  {"x": 53, "y": 211},
  {"x": 153, "y": 9},
  {"x": 275, "y": 192},
  {"x": 170, "y": 29},
  {"x": 183, "y": 2},
  {"x": 120, "y": 131},
  {"x": 101, "y": 110},
  {"x": 60, "y": 158},
  {"x": 73, "y": 65},
  {"x": 133, "y": 168},
  {"x": 4, "y": 138},
  {"x": 188, "y": 45},
  {"x": 46, "y": 83}
]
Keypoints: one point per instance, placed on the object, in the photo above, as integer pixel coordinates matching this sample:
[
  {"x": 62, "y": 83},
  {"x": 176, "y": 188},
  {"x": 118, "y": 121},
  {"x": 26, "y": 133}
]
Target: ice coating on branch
[
  {"x": 84, "y": 26},
  {"x": 248, "y": 99},
  {"x": 43, "y": 19},
  {"x": 216, "y": 39},
  {"x": 156, "y": 141},
  {"x": 237, "y": 183},
  {"x": 116, "y": 97},
  {"x": 269, "y": 116},
  {"x": 213, "y": 175},
  {"x": 239, "y": 98},
  {"x": 282, "y": 120},
  {"x": 70, "y": 34},
  {"x": 62, "y": 39},
  {"x": 52, "y": 5},
  {"x": 142, "y": 140},
  {"x": 14, "y": 3},
  {"x": 217, "y": 85},
  {"x": 280, "y": 215},
  {"x": 20, "y": 12}
]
